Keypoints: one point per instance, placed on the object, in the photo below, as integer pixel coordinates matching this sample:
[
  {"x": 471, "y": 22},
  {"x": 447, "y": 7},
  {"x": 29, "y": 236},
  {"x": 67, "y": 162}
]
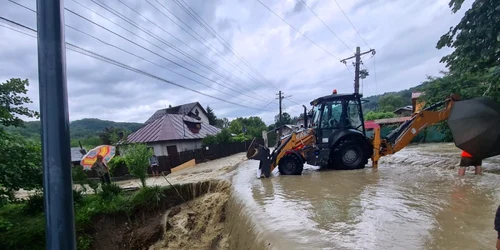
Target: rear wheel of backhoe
[
  {"x": 290, "y": 165},
  {"x": 349, "y": 154}
]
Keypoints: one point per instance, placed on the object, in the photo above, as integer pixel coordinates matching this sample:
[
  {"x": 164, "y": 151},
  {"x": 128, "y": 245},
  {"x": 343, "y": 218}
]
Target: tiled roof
[
  {"x": 170, "y": 127},
  {"x": 183, "y": 109}
]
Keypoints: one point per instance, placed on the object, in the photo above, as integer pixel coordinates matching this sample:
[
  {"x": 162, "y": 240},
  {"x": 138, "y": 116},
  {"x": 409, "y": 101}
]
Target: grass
[{"x": 22, "y": 224}]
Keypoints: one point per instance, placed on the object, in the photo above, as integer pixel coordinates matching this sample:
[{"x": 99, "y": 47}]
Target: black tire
[
  {"x": 349, "y": 154},
  {"x": 290, "y": 165}
]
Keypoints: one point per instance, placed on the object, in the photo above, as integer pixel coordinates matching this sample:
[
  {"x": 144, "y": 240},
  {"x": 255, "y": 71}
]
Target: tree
[
  {"x": 285, "y": 119},
  {"x": 212, "y": 118},
  {"x": 222, "y": 123},
  {"x": 136, "y": 157},
  {"x": 111, "y": 135},
  {"x": 12, "y": 99},
  {"x": 20, "y": 164},
  {"x": 475, "y": 39},
  {"x": 169, "y": 106},
  {"x": 389, "y": 103},
  {"x": 253, "y": 126},
  {"x": 476, "y": 43},
  {"x": 371, "y": 115},
  {"x": 20, "y": 159}
]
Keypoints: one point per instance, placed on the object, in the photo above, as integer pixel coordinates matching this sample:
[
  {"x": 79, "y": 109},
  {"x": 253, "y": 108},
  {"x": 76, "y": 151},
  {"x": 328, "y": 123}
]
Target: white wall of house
[
  {"x": 202, "y": 115},
  {"x": 160, "y": 148}
]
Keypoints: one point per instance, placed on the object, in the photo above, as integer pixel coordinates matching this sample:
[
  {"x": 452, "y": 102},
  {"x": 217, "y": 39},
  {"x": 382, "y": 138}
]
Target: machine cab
[{"x": 335, "y": 113}]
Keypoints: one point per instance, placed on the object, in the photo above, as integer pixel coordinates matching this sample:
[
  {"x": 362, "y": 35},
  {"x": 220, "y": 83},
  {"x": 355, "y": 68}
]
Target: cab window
[
  {"x": 332, "y": 112},
  {"x": 353, "y": 115}
]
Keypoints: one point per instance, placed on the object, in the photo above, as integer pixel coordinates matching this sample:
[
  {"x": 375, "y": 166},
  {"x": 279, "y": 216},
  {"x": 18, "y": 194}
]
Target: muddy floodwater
[{"x": 414, "y": 200}]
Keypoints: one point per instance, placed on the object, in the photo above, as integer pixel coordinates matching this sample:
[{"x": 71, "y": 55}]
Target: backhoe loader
[{"x": 335, "y": 138}]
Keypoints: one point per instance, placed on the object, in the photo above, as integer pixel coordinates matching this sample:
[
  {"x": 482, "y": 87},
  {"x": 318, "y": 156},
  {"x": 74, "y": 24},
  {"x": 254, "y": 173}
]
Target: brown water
[{"x": 415, "y": 200}]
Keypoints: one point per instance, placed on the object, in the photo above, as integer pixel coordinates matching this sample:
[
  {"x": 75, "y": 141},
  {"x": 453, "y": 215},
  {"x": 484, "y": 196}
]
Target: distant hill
[
  {"x": 372, "y": 103},
  {"x": 79, "y": 129}
]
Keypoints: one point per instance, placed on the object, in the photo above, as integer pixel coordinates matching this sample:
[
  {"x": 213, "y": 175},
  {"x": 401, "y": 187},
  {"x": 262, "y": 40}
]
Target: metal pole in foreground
[{"x": 57, "y": 182}]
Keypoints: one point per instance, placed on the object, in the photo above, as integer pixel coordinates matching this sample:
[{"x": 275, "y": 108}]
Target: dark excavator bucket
[{"x": 262, "y": 154}]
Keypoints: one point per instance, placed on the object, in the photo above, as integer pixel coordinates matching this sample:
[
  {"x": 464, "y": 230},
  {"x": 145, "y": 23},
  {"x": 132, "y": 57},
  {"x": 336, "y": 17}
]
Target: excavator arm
[{"x": 404, "y": 134}]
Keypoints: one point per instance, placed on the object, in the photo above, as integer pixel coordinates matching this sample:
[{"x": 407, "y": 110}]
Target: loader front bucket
[{"x": 261, "y": 153}]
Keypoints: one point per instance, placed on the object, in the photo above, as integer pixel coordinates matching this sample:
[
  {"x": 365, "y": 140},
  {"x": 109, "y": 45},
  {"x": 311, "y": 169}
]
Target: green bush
[
  {"x": 20, "y": 230},
  {"x": 93, "y": 205},
  {"x": 115, "y": 163},
  {"x": 77, "y": 196},
  {"x": 137, "y": 159},
  {"x": 20, "y": 164},
  {"x": 34, "y": 204},
  {"x": 370, "y": 116},
  {"x": 84, "y": 242},
  {"x": 94, "y": 185},
  {"x": 78, "y": 174},
  {"x": 148, "y": 196},
  {"x": 109, "y": 191}
]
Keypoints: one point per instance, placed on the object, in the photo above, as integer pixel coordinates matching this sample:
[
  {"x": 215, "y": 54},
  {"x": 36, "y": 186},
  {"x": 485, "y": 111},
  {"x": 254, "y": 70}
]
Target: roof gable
[{"x": 183, "y": 109}]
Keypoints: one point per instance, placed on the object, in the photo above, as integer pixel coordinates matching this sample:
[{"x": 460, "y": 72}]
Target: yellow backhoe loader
[{"x": 335, "y": 137}]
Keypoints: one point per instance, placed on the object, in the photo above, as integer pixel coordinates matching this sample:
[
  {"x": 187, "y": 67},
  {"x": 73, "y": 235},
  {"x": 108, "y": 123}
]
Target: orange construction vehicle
[{"x": 335, "y": 137}]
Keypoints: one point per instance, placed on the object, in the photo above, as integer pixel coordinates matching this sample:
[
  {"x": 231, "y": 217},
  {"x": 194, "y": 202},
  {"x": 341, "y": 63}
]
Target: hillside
[
  {"x": 372, "y": 103},
  {"x": 79, "y": 129}
]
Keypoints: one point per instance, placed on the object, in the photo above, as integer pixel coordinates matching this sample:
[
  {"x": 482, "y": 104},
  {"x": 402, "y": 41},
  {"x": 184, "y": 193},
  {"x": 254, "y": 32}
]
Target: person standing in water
[
  {"x": 102, "y": 170},
  {"x": 467, "y": 160}
]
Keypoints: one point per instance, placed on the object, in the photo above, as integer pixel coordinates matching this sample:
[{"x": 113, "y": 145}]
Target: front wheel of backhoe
[
  {"x": 349, "y": 154},
  {"x": 290, "y": 165}
]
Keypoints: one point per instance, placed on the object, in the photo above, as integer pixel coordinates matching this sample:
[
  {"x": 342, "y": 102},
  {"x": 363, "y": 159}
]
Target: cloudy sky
[{"x": 233, "y": 55}]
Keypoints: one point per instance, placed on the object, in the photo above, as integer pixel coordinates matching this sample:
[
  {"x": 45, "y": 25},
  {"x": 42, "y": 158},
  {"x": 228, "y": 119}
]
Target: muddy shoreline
[{"x": 203, "y": 214}]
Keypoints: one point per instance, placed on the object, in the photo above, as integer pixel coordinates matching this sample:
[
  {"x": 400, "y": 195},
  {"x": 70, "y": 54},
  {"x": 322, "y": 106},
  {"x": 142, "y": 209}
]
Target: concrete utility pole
[
  {"x": 57, "y": 181},
  {"x": 357, "y": 57},
  {"x": 280, "y": 98}
]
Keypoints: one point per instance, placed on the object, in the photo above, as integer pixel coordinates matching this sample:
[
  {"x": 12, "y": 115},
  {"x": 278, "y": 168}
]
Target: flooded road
[{"x": 415, "y": 200}]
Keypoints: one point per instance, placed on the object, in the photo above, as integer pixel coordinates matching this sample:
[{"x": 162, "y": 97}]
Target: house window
[{"x": 196, "y": 112}]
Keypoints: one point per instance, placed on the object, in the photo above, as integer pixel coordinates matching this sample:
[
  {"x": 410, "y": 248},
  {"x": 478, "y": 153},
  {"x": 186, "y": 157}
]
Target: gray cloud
[{"x": 403, "y": 33}]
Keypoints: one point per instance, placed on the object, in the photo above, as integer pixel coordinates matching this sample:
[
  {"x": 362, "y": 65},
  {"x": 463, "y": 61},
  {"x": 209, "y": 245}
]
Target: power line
[
  {"x": 297, "y": 30},
  {"x": 218, "y": 52},
  {"x": 169, "y": 45},
  {"x": 173, "y": 62},
  {"x": 375, "y": 71},
  {"x": 327, "y": 26},
  {"x": 215, "y": 34},
  {"x": 100, "y": 40},
  {"x": 227, "y": 78},
  {"x": 351, "y": 23},
  {"x": 90, "y": 53}
]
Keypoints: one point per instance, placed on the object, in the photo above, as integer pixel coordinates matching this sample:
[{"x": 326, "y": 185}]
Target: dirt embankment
[
  {"x": 198, "y": 224},
  {"x": 175, "y": 224},
  {"x": 193, "y": 217}
]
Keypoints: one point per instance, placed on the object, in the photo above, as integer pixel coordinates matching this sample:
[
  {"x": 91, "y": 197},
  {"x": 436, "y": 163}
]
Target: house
[
  {"x": 300, "y": 122},
  {"x": 286, "y": 129},
  {"x": 404, "y": 111},
  {"x": 76, "y": 155},
  {"x": 173, "y": 130},
  {"x": 193, "y": 110},
  {"x": 415, "y": 106}
]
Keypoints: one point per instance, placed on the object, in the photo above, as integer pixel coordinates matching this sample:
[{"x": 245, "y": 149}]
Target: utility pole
[
  {"x": 357, "y": 57},
  {"x": 57, "y": 183},
  {"x": 280, "y": 98}
]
